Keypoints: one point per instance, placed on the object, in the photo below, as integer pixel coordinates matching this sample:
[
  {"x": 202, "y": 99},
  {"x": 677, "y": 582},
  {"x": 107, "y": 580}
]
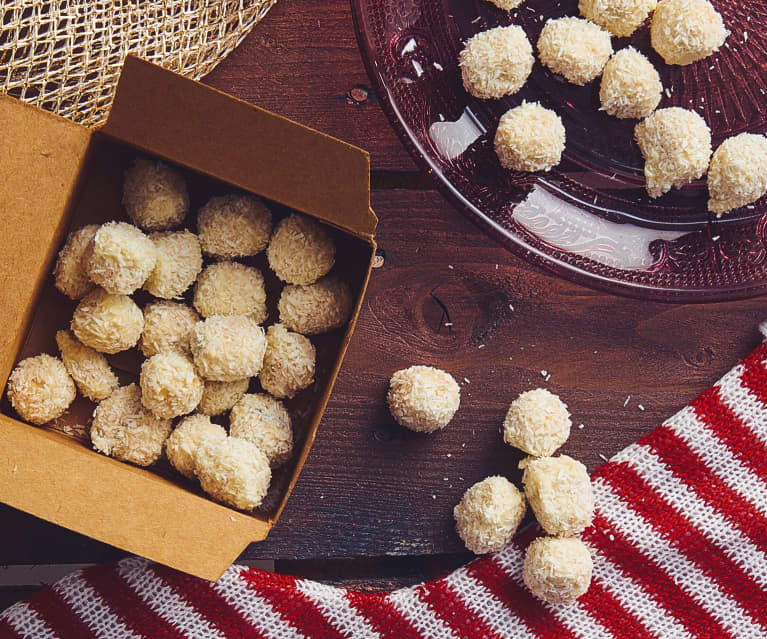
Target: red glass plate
[{"x": 589, "y": 220}]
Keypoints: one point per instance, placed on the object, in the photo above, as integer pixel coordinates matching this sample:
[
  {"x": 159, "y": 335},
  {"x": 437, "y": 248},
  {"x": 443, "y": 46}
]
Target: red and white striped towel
[{"x": 679, "y": 545}]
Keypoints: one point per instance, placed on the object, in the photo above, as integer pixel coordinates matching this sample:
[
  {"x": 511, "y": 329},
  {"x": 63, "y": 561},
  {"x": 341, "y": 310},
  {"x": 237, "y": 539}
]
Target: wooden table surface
[{"x": 373, "y": 507}]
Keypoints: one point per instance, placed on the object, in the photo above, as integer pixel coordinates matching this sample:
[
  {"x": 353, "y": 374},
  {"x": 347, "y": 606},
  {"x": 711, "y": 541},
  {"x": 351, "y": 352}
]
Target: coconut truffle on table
[
  {"x": 619, "y": 17},
  {"x": 631, "y": 86},
  {"x": 155, "y": 195},
  {"x": 738, "y": 173},
  {"x": 183, "y": 443},
  {"x": 537, "y": 423},
  {"x": 170, "y": 386},
  {"x": 301, "y": 250},
  {"x": 88, "y": 368},
  {"x": 263, "y": 421},
  {"x": 684, "y": 31},
  {"x": 232, "y": 226},
  {"x": 227, "y": 348},
  {"x": 289, "y": 362},
  {"x": 120, "y": 257},
  {"x": 40, "y": 389},
  {"x": 230, "y": 288},
  {"x": 574, "y": 48},
  {"x": 219, "y": 397},
  {"x": 422, "y": 398},
  {"x": 107, "y": 322},
  {"x": 557, "y": 569},
  {"x": 71, "y": 270},
  {"x": 529, "y": 138},
  {"x": 167, "y": 326},
  {"x": 315, "y": 308},
  {"x": 179, "y": 261}
]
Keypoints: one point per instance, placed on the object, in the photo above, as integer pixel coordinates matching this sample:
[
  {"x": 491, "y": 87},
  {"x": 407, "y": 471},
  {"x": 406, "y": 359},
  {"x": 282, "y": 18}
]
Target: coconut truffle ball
[
  {"x": 301, "y": 251},
  {"x": 233, "y": 471},
  {"x": 489, "y": 514},
  {"x": 288, "y": 362},
  {"x": 219, "y": 397},
  {"x": 71, "y": 270},
  {"x": 529, "y": 138},
  {"x": 155, "y": 195},
  {"x": 496, "y": 62},
  {"x": 122, "y": 428},
  {"x": 40, "y": 389},
  {"x": 169, "y": 385},
  {"x": 574, "y": 48},
  {"x": 684, "y": 31},
  {"x": 120, "y": 257},
  {"x": 227, "y": 348},
  {"x": 106, "y": 322},
  {"x": 179, "y": 260},
  {"x": 315, "y": 308},
  {"x": 230, "y": 288},
  {"x": 167, "y": 327},
  {"x": 422, "y": 398},
  {"x": 738, "y": 172},
  {"x": 631, "y": 87},
  {"x": 558, "y": 490},
  {"x": 507, "y": 5},
  {"x": 88, "y": 368},
  {"x": 557, "y": 569},
  {"x": 537, "y": 422},
  {"x": 234, "y": 226},
  {"x": 619, "y": 17},
  {"x": 263, "y": 421},
  {"x": 184, "y": 442},
  {"x": 676, "y": 145}
]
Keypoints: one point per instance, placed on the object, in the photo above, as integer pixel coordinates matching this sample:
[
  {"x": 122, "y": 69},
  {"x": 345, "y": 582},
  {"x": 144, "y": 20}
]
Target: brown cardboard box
[{"x": 56, "y": 175}]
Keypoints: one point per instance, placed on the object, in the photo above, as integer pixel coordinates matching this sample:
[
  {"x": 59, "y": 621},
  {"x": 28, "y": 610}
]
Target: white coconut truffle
[
  {"x": 179, "y": 261},
  {"x": 489, "y": 514},
  {"x": 234, "y": 226},
  {"x": 676, "y": 145},
  {"x": 227, "y": 348},
  {"x": 230, "y": 288},
  {"x": 537, "y": 422},
  {"x": 558, "y": 490},
  {"x": 289, "y": 362},
  {"x": 631, "y": 86},
  {"x": 124, "y": 429},
  {"x": 155, "y": 195},
  {"x": 738, "y": 172},
  {"x": 107, "y": 322},
  {"x": 574, "y": 48},
  {"x": 167, "y": 327},
  {"x": 71, "y": 271},
  {"x": 529, "y": 138},
  {"x": 315, "y": 308},
  {"x": 88, "y": 368},
  {"x": 219, "y": 397},
  {"x": 170, "y": 385},
  {"x": 120, "y": 257},
  {"x": 423, "y": 398},
  {"x": 233, "y": 471},
  {"x": 684, "y": 31},
  {"x": 496, "y": 62},
  {"x": 619, "y": 17},
  {"x": 301, "y": 250},
  {"x": 506, "y": 5},
  {"x": 557, "y": 569},
  {"x": 40, "y": 389},
  {"x": 185, "y": 440},
  {"x": 263, "y": 421}
]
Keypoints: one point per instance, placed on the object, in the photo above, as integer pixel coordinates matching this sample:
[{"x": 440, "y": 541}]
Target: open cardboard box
[{"x": 56, "y": 176}]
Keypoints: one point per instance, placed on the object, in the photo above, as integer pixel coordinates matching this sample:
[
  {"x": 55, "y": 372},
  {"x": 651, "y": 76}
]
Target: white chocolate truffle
[
  {"x": 289, "y": 362},
  {"x": 230, "y": 288},
  {"x": 167, "y": 327},
  {"x": 234, "y": 226},
  {"x": 423, "y": 398},
  {"x": 619, "y": 17},
  {"x": 263, "y": 421},
  {"x": 122, "y": 428},
  {"x": 219, "y": 397},
  {"x": 88, "y": 368},
  {"x": 185, "y": 440},
  {"x": 40, "y": 389},
  {"x": 631, "y": 86},
  {"x": 179, "y": 261},
  {"x": 507, "y": 5},
  {"x": 684, "y": 31},
  {"x": 557, "y": 569},
  {"x": 155, "y": 195},
  {"x": 106, "y": 322},
  {"x": 558, "y": 490},
  {"x": 676, "y": 145},
  {"x": 233, "y": 471},
  {"x": 574, "y": 48},
  {"x": 170, "y": 386},
  {"x": 315, "y": 308},
  {"x": 529, "y": 138},
  {"x": 120, "y": 257},
  {"x": 489, "y": 514},
  {"x": 71, "y": 270},
  {"x": 496, "y": 62},
  {"x": 227, "y": 348},
  {"x": 537, "y": 422},
  {"x": 301, "y": 250},
  {"x": 738, "y": 172}
]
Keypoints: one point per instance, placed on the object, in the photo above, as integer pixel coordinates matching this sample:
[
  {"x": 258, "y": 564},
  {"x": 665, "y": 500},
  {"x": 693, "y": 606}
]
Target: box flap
[{"x": 211, "y": 132}]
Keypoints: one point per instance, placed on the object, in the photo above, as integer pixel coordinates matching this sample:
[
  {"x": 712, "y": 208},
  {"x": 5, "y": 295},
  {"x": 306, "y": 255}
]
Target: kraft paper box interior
[{"x": 56, "y": 176}]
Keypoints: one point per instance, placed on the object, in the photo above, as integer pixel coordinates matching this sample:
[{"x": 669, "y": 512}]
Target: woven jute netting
[{"x": 66, "y": 56}]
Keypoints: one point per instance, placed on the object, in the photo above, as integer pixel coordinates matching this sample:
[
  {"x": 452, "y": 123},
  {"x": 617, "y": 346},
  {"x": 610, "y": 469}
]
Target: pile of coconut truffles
[{"x": 201, "y": 333}]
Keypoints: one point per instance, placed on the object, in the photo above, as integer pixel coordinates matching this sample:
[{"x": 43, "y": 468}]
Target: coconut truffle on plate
[
  {"x": 289, "y": 362},
  {"x": 167, "y": 327},
  {"x": 489, "y": 514},
  {"x": 230, "y": 288},
  {"x": 263, "y": 421},
  {"x": 557, "y": 569},
  {"x": 619, "y": 17},
  {"x": 631, "y": 87},
  {"x": 529, "y": 138},
  {"x": 107, "y": 322},
  {"x": 684, "y": 31},
  {"x": 40, "y": 389},
  {"x": 88, "y": 368},
  {"x": 496, "y": 62},
  {"x": 423, "y": 398},
  {"x": 537, "y": 422},
  {"x": 227, "y": 348},
  {"x": 234, "y": 226},
  {"x": 738, "y": 173},
  {"x": 301, "y": 250},
  {"x": 120, "y": 257},
  {"x": 183, "y": 443},
  {"x": 155, "y": 195},
  {"x": 574, "y": 48},
  {"x": 170, "y": 386},
  {"x": 179, "y": 261},
  {"x": 315, "y": 308},
  {"x": 71, "y": 270}
]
